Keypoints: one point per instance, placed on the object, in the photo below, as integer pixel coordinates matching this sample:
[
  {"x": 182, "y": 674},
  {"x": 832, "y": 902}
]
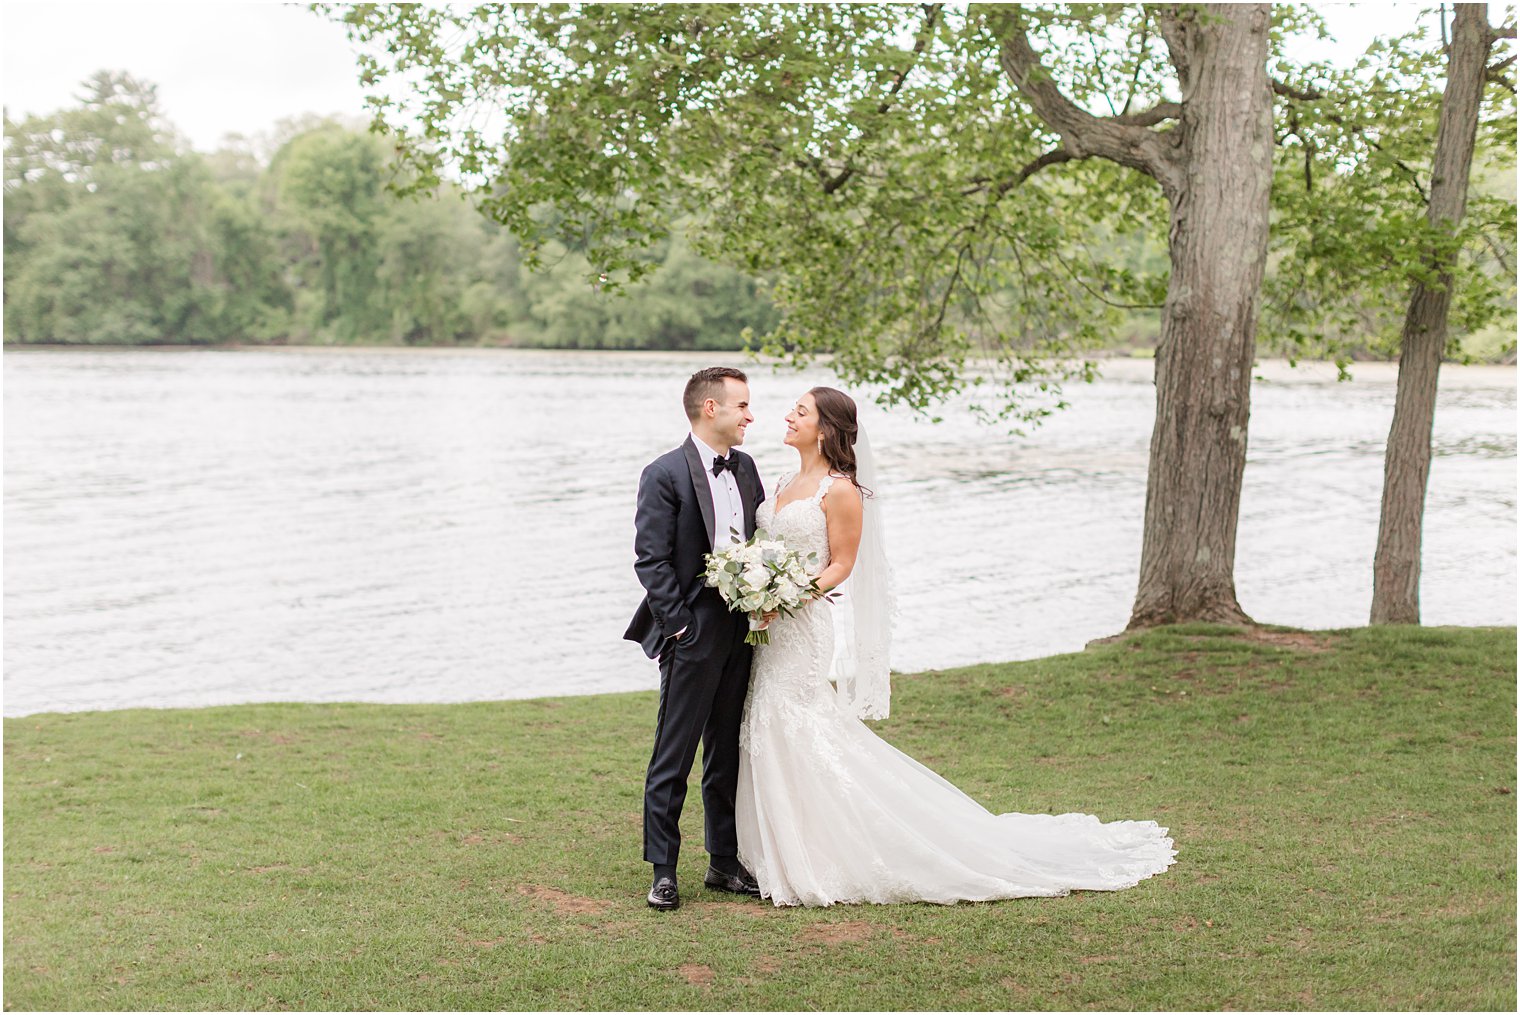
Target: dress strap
[{"x": 823, "y": 488}]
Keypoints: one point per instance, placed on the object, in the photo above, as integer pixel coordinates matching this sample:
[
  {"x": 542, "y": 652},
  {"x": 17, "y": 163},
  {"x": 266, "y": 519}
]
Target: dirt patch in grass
[
  {"x": 847, "y": 932},
  {"x": 738, "y": 907},
  {"x": 697, "y": 975},
  {"x": 563, "y": 902},
  {"x": 1203, "y": 676},
  {"x": 1468, "y": 906},
  {"x": 1014, "y": 988},
  {"x": 1305, "y": 641}
]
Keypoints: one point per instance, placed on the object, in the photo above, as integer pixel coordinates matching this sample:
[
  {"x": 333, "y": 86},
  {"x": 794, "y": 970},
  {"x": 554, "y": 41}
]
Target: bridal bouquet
[{"x": 762, "y": 576}]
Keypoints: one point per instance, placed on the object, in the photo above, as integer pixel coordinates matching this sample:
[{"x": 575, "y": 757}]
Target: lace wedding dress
[{"x": 829, "y": 812}]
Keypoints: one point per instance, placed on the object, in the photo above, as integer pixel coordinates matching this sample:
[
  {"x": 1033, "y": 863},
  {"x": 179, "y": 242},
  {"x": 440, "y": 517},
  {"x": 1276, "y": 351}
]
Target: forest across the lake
[{"x": 118, "y": 233}]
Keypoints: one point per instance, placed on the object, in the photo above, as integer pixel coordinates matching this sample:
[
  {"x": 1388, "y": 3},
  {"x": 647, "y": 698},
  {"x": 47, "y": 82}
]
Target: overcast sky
[{"x": 239, "y": 67}]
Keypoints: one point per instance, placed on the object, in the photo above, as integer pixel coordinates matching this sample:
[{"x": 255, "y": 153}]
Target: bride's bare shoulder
[{"x": 842, "y": 497}]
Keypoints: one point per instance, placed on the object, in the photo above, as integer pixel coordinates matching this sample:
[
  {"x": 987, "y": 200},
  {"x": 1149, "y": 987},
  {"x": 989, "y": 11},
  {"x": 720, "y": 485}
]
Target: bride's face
[{"x": 802, "y": 424}]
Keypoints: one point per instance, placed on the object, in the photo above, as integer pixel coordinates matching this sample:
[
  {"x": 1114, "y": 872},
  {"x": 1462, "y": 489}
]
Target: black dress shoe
[
  {"x": 740, "y": 884},
  {"x": 663, "y": 894}
]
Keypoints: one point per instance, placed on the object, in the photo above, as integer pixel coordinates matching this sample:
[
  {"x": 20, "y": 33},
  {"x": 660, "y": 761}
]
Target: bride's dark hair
[{"x": 838, "y": 428}]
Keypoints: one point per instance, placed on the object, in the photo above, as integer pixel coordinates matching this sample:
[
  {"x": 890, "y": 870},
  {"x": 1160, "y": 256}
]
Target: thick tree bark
[
  {"x": 1218, "y": 246},
  {"x": 1406, "y": 466},
  {"x": 1215, "y": 167}
]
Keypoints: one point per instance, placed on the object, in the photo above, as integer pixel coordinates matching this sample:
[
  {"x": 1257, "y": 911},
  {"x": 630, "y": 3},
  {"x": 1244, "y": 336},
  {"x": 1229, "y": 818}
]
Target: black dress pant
[{"x": 704, "y": 678}]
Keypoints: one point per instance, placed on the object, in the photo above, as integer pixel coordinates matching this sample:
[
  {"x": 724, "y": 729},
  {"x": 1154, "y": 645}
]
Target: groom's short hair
[{"x": 707, "y": 383}]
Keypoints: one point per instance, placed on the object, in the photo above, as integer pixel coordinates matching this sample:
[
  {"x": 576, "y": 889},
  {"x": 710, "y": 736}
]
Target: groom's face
[{"x": 731, "y": 415}]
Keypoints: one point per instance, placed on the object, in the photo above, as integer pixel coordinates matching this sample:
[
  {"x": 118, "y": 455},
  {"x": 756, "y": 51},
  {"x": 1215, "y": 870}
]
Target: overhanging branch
[
  {"x": 925, "y": 34},
  {"x": 1494, "y": 74},
  {"x": 1054, "y": 157},
  {"x": 1150, "y": 117},
  {"x": 1313, "y": 95},
  {"x": 1287, "y": 91},
  {"x": 1176, "y": 22},
  {"x": 1126, "y": 140}
]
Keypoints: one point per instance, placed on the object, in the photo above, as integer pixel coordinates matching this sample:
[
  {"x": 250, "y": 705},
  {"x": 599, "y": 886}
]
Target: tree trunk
[
  {"x": 1406, "y": 466},
  {"x": 1218, "y": 244}
]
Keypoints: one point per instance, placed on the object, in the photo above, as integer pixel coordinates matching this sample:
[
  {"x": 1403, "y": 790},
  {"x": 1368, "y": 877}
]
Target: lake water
[{"x": 206, "y": 527}]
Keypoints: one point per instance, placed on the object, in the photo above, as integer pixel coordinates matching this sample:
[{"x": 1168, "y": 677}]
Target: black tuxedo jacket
[{"x": 673, "y": 531}]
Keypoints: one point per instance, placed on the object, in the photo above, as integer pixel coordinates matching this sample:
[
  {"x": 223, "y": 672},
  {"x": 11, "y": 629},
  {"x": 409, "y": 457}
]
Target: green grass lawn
[{"x": 1341, "y": 801}]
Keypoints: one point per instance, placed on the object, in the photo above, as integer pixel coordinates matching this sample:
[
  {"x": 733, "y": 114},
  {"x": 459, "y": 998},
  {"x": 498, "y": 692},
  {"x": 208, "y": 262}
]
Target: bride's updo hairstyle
[{"x": 838, "y": 427}]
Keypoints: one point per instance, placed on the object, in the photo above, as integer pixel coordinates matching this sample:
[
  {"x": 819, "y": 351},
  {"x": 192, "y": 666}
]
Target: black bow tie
[{"x": 731, "y": 464}]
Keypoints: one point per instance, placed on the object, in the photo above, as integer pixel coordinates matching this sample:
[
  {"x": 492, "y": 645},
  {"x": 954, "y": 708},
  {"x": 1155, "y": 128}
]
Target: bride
[{"x": 826, "y": 810}]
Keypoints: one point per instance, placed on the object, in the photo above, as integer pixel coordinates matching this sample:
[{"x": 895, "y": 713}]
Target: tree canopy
[{"x": 913, "y": 210}]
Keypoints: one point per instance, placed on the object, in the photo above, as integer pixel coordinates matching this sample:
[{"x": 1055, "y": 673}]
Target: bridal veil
[{"x": 861, "y": 669}]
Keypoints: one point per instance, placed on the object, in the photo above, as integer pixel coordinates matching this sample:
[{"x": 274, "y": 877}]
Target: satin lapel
[{"x": 700, "y": 487}]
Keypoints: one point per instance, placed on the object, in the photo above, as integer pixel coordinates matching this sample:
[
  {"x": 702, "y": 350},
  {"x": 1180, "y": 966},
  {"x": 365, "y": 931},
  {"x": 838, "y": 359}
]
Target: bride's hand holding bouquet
[{"x": 764, "y": 579}]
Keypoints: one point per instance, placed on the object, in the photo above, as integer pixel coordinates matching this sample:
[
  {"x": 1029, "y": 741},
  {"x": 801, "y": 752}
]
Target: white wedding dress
[{"x": 829, "y": 812}]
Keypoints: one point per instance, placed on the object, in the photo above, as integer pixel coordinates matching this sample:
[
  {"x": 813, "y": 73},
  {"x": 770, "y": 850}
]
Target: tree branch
[
  {"x": 1494, "y": 248},
  {"x": 955, "y": 277},
  {"x": 1294, "y": 130},
  {"x": 1082, "y": 134},
  {"x": 1494, "y": 74},
  {"x": 1150, "y": 117},
  {"x": 1054, "y": 157},
  {"x": 1314, "y": 94},
  {"x": 931, "y": 15},
  {"x": 1095, "y": 294},
  {"x": 1176, "y": 23},
  {"x": 1287, "y": 91},
  {"x": 1134, "y": 81}
]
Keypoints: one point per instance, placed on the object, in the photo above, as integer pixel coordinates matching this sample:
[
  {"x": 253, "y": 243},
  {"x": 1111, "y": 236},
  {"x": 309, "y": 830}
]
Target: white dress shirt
[{"x": 727, "y": 502}]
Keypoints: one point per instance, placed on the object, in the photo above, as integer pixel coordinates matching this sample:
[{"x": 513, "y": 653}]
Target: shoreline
[
  {"x": 1111, "y": 366},
  {"x": 1263, "y": 634}
]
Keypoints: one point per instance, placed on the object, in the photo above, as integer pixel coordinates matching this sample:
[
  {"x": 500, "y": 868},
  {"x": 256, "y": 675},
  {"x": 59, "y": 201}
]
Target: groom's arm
[{"x": 654, "y": 547}]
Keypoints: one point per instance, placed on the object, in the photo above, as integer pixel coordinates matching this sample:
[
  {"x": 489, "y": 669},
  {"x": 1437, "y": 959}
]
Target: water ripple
[{"x": 203, "y": 527}]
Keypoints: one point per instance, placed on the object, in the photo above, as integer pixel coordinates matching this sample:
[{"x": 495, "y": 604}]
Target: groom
[{"x": 689, "y": 500}]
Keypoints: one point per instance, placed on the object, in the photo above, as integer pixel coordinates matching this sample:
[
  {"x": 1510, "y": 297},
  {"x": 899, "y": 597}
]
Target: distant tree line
[{"x": 116, "y": 233}]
